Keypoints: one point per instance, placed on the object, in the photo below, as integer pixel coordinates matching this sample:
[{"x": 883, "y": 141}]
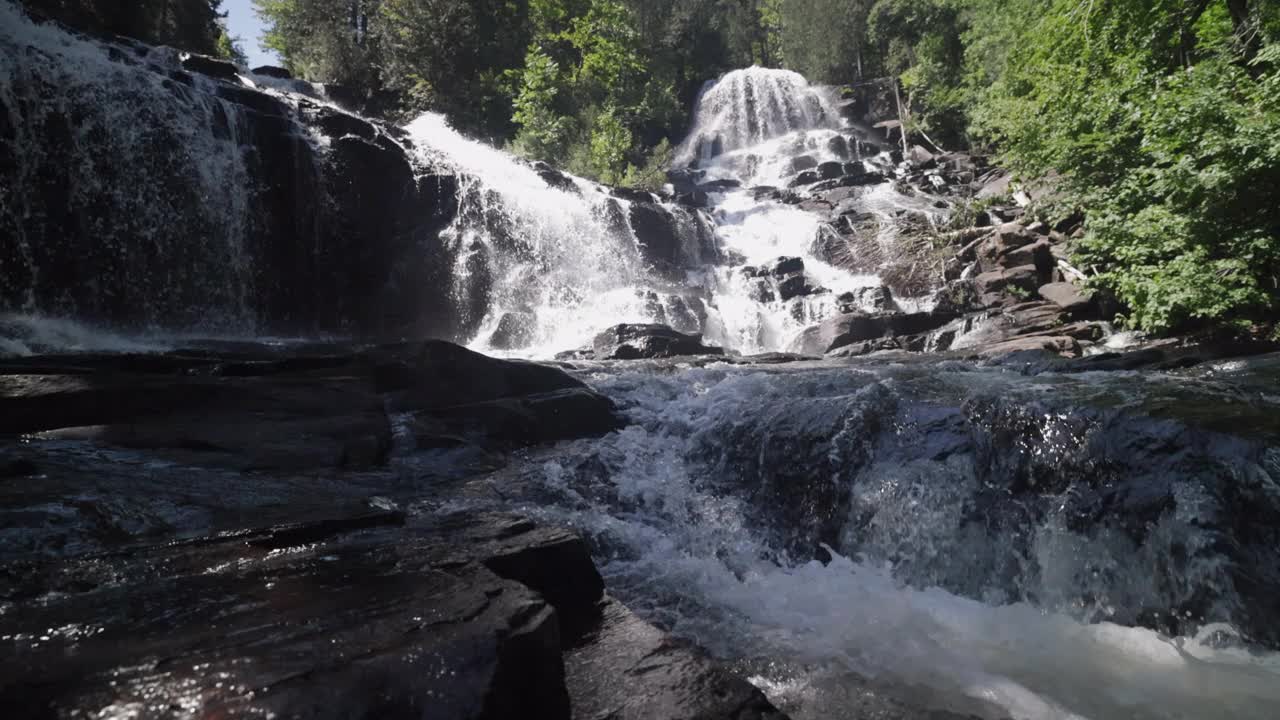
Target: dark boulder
[
  {"x": 796, "y": 285},
  {"x": 856, "y": 175},
  {"x": 555, "y": 178},
  {"x": 632, "y": 194},
  {"x": 838, "y": 146},
  {"x": 1037, "y": 254},
  {"x": 851, "y": 328},
  {"x": 719, "y": 186},
  {"x": 784, "y": 266},
  {"x": 273, "y": 72},
  {"x": 830, "y": 170},
  {"x": 694, "y": 199},
  {"x": 515, "y": 330},
  {"x": 210, "y": 66},
  {"x": 632, "y": 671},
  {"x": 635, "y": 342},
  {"x": 803, "y": 162},
  {"x": 326, "y": 407},
  {"x": 1024, "y": 279},
  {"x": 808, "y": 177},
  {"x": 660, "y": 237},
  {"x": 877, "y": 299},
  {"x": 764, "y": 192}
]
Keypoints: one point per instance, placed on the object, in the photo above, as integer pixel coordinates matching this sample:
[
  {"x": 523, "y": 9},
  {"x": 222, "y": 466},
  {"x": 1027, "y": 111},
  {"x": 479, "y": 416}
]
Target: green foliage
[
  {"x": 652, "y": 174},
  {"x": 544, "y": 133},
  {"x": 229, "y": 49},
  {"x": 1159, "y": 116}
]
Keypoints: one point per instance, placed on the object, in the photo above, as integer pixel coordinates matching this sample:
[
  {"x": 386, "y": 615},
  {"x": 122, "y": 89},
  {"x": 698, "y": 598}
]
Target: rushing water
[
  {"x": 1030, "y": 547},
  {"x": 970, "y": 538},
  {"x": 566, "y": 259}
]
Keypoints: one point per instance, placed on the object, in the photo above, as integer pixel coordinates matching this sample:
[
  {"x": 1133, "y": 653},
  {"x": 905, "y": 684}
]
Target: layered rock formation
[{"x": 228, "y": 530}]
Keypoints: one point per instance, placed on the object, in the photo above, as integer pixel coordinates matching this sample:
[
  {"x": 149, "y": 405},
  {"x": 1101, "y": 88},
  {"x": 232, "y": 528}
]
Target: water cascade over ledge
[{"x": 1004, "y": 539}]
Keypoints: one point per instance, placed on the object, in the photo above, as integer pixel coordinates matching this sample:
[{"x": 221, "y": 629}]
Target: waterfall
[
  {"x": 750, "y": 106},
  {"x": 150, "y": 192},
  {"x": 143, "y": 170},
  {"x": 540, "y": 268}
]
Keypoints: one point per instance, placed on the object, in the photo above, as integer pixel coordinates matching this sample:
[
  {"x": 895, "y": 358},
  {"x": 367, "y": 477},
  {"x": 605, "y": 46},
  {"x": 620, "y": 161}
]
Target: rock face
[
  {"x": 635, "y": 342},
  {"x": 457, "y": 616},
  {"x": 253, "y": 408},
  {"x": 317, "y": 581},
  {"x": 210, "y": 204},
  {"x": 671, "y": 239},
  {"x": 847, "y": 330}
]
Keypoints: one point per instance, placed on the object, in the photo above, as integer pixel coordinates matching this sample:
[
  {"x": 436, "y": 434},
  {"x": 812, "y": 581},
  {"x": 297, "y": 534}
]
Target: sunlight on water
[{"x": 679, "y": 542}]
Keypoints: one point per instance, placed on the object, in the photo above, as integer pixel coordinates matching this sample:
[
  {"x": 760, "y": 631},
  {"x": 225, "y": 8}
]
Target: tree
[{"x": 186, "y": 24}]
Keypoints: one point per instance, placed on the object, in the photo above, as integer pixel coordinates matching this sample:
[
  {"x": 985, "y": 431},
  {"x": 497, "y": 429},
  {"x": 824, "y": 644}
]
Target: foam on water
[
  {"x": 685, "y": 549},
  {"x": 565, "y": 258}
]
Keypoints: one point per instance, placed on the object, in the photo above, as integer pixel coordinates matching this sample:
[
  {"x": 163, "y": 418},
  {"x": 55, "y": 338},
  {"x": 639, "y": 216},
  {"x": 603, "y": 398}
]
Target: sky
[{"x": 243, "y": 24}]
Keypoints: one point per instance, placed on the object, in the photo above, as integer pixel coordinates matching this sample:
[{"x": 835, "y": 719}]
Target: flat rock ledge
[
  {"x": 249, "y": 531},
  {"x": 381, "y": 615}
]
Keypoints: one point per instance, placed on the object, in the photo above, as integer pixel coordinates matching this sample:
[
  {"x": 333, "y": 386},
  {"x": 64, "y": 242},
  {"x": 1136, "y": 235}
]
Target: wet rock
[
  {"x": 634, "y": 342},
  {"x": 632, "y": 194},
  {"x": 838, "y": 146},
  {"x": 861, "y": 177},
  {"x": 852, "y": 328},
  {"x": 784, "y": 266},
  {"x": 719, "y": 186},
  {"x": 556, "y": 179},
  {"x": 1057, "y": 344},
  {"x": 761, "y": 193},
  {"x": 685, "y": 179},
  {"x": 259, "y": 409},
  {"x": 795, "y": 285},
  {"x": 1037, "y": 254},
  {"x": 273, "y": 71},
  {"x": 830, "y": 170},
  {"x": 870, "y": 299},
  {"x": 631, "y": 671},
  {"x": 515, "y": 330},
  {"x": 660, "y": 237},
  {"x": 808, "y": 177},
  {"x": 213, "y": 67},
  {"x": 921, "y": 157},
  {"x": 801, "y": 163},
  {"x": 695, "y": 199},
  {"x": 336, "y": 124}
]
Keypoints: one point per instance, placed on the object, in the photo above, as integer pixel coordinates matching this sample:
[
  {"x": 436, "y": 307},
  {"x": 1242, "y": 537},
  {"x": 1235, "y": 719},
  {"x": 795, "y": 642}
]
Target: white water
[
  {"x": 566, "y": 261},
  {"x": 97, "y": 109},
  {"x": 682, "y": 547}
]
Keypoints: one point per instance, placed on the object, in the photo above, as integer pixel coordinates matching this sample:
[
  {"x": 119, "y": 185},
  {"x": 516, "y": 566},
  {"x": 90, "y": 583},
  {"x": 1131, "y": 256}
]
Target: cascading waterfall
[
  {"x": 748, "y": 107},
  {"x": 756, "y": 129},
  {"x": 174, "y": 247},
  {"x": 544, "y": 261},
  {"x": 540, "y": 266}
]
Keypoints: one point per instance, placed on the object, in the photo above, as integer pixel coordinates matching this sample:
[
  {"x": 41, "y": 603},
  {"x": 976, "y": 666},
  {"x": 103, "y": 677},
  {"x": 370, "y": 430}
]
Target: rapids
[{"x": 973, "y": 538}]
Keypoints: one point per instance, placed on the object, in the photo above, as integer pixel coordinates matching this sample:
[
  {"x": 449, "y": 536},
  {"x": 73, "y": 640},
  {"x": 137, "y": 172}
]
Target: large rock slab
[
  {"x": 635, "y": 342},
  {"x": 1067, "y": 296},
  {"x": 629, "y": 670},
  {"x": 852, "y": 328},
  {"x": 440, "y": 616},
  {"x": 324, "y": 406}
]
